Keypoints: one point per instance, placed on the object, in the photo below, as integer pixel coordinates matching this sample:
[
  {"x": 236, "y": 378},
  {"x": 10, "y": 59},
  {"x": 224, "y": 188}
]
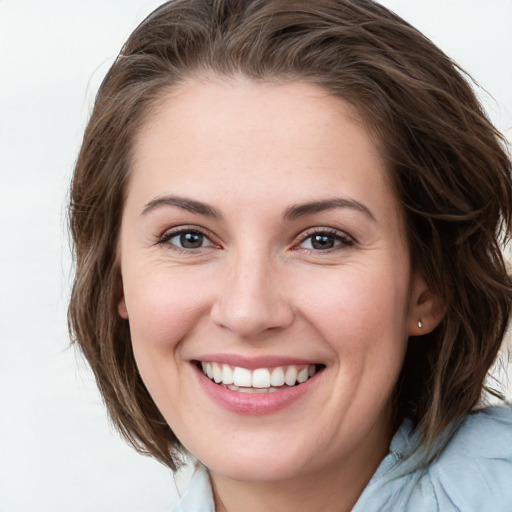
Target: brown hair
[{"x": 446, "y": 161}]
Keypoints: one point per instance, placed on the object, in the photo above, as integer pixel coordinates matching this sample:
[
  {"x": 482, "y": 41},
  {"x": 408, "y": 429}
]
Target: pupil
[
  {"x": 322, "y": 242},
  {"x": 191, "y": 240}
]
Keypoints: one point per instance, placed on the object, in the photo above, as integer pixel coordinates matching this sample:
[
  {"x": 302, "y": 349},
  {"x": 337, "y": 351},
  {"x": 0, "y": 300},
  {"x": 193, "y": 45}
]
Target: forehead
[
  {"x": 248, "y": 140},
  {"x": 241, "y": 112}
]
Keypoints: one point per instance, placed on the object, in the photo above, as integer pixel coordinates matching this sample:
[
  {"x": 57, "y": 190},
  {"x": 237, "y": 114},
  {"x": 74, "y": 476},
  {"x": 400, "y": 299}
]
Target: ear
[
  {"x": 426, "y": 309},
  {"x": 121, "y": 308}
]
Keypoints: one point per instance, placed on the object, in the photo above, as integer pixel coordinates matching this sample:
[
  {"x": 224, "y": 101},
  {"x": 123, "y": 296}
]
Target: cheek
[
  {"x": 369, "y": 335},
  {"x": 163, "y": 308},
  {"x": 362, "y": 315}
]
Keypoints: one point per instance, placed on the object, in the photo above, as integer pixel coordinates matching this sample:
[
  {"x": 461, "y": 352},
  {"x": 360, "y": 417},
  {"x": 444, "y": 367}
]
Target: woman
[{"x": 287, "y": 220}]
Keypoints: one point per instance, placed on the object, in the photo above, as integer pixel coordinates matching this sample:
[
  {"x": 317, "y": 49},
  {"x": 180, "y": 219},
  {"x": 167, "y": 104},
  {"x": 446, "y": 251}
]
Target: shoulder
[
  {"x": 472, "y": 472},
  {"x": 483, "y": 434}
]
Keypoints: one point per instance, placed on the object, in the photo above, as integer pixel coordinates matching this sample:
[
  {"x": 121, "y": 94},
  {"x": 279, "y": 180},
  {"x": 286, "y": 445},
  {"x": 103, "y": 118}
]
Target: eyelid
[
  {"x": 170, "y": 233},
  {"x": 344, "y": 238}
]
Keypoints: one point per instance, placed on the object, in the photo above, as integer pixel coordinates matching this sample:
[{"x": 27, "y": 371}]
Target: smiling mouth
[{"x": 259, "y": 380}]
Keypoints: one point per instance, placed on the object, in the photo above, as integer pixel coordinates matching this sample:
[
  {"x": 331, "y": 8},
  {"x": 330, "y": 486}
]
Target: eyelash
[
  {"x": 166, "y": 238},
  {"x": 341, "y": 240}
]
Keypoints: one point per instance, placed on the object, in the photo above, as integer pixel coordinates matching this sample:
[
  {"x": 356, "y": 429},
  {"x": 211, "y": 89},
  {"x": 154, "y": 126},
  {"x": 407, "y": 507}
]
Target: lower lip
[{"x": 254, "y": 403}]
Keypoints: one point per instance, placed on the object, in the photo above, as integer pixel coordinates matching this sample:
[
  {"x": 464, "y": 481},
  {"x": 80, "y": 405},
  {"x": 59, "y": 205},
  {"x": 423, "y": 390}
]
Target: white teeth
[
  {"x": 242, "y": 377},
  {"x": 227, "y": 374},
  {"x": 217, "y": 372},
  {"x": 260, "y": 380},
  {"x": 251, "y": 390},
  {"x": 277, "y": 377},
  {"x": 245, "y": 390},
  {"x": 302, "y": 376},
  {"x": 290, "y": 376}
]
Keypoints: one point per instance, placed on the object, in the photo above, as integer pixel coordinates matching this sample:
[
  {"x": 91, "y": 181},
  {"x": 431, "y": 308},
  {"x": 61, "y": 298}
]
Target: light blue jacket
[{"x": 472, "y": 473}]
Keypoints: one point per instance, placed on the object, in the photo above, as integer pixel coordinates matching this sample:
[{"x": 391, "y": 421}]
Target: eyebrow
[
  {"x": 182, "y": 202},
  {"x": 291, "y": 213},
  {"x": 302, "y": 210}
]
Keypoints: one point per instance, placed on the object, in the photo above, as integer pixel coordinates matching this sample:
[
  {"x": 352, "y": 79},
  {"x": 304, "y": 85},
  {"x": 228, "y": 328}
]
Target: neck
[{"x": 333, "y": 488}]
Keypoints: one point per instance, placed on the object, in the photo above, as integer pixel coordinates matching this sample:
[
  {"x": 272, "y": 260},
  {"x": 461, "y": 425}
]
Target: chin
[
  {"x": 262, "y": 461},
  {"x": 268, "y": 469}
]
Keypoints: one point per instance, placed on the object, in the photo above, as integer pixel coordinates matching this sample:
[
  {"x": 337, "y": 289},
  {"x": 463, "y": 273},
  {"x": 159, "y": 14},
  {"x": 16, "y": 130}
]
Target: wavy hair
[{"x": 447, "y": 164}]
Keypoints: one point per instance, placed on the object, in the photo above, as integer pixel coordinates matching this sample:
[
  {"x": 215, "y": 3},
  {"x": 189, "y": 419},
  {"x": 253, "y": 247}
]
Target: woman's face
[{"x": 262, "y": 244}]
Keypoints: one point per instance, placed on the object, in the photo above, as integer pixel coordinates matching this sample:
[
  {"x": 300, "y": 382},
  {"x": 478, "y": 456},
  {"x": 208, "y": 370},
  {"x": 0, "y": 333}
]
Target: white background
[{"x": 57, "y": 451}]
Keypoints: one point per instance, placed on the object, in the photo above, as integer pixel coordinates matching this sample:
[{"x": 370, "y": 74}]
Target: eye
[
  {"x": 186, "y": 239},
  {"x": 325, "y": 240}
]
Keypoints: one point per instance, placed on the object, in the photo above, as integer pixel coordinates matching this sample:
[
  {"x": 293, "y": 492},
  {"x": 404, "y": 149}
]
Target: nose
[{"x": 251, "y": 299}]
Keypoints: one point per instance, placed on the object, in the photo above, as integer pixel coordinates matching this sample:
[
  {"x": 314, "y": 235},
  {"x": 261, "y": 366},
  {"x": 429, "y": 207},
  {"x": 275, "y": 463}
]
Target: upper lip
[{"x": 255, "y": 362}]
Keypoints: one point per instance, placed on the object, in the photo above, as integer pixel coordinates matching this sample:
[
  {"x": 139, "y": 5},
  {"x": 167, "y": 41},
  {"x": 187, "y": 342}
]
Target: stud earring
[{"x": 420, "y": 324}]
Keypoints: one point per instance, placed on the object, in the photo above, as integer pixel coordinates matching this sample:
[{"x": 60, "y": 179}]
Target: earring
[{"x": 420, "y": 324}]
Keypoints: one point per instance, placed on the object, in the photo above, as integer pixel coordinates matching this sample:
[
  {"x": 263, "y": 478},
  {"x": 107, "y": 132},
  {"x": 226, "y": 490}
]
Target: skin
[{"x": 257, "y": 286}]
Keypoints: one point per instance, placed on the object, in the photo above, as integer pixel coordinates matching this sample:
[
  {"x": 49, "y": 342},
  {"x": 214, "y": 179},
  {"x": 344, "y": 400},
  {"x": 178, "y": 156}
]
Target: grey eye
[
  {"x": 323, "y": 241},
  {"x": 320, "y": 242},
  {"x": 190, "y": 240}
]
